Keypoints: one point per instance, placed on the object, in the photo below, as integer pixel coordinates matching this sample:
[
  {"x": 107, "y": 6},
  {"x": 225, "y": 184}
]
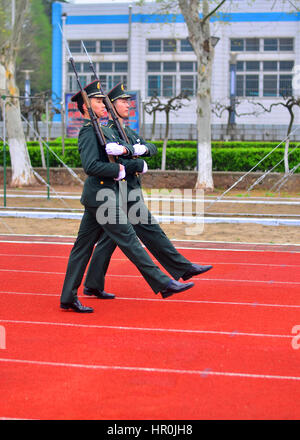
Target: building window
[
  {"x": 278, "y": 44},
  {"x": 267, "y": 44},
  {"x": 169, "y": 45},
  {"x": 244, "y": 44},
  {"x": 252, "y": 44},
  {"x": 169, "y": 66},
  {"x": 161, "y": 85},
  {"x": 76, "y": 46},
  {"x": 185, "y": 46},
  {"x": 237, "y": 45},
  {"x": 188, "y": 84},
  {"x": 166, "y": 45},
  {"x": 168, "y": 85},
  {"x": 110, "y": 81},
  {"x": 154, "y": 45},
  {"x": 113, "y": 46},
  {"x": 264, "y": 78},
  {"x": 169, "y": 78},
  {"x": 285, "y": 85},
  {"x": 154, "y": 85},
  {"x": 109, "y": 73},
  {"x": 90, "y": 46},
  {"x": 277, "y": 84}
]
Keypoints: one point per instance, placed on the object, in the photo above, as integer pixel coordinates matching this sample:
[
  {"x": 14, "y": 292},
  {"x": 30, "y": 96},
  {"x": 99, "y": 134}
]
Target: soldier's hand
[
  {"x": 139, "y": 149},
  {"x": 122, "y": 173},
  {"x": 115, "y": 149}
]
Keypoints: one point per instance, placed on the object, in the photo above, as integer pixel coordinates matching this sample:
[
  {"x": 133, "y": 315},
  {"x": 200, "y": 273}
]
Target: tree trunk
[
  {"x": 153, "y": 126},
  {"x": 199, "y": 35},
  {"x": 22, "y": 173},
  {"x": 164, "y": 149},
  {"x": 204, "y": 177},
  {"x": 287, "y": 143},
  {"x": 13, "y": 21},
  {"x": 286, "y": 156}
]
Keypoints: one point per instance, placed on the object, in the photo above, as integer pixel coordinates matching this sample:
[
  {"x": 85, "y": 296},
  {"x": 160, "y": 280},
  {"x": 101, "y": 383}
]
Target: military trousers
[
  {"x": 123, "y": 235},
  {"x": 151, "y": 235}
]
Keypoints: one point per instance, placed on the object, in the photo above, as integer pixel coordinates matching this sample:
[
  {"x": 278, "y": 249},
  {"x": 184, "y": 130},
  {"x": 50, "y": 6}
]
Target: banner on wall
[{"x": 74, "y": 118}]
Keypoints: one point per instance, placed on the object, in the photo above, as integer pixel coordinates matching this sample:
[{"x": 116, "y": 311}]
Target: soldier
[
  {"x": 100, "y": 190},
  {"x": 146, "y": 227}
]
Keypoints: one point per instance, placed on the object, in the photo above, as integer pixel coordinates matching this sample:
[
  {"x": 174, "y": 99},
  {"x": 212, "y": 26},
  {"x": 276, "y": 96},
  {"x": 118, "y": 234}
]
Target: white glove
[
  {"x": 139, "y": 149},
  {"x": 114, "y": 149},
  {"x": 145, "y": 169},
  {"x": 122, "y": 173}
]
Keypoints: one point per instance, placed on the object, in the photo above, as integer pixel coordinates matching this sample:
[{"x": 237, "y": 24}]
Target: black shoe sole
[
  {"x": 185, "y": 278},
  {"x": 166, "y": 295}
]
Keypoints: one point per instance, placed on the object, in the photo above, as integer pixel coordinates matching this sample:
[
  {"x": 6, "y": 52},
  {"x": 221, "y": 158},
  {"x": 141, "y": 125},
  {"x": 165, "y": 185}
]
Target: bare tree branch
[{"x": 213, "y": 11}]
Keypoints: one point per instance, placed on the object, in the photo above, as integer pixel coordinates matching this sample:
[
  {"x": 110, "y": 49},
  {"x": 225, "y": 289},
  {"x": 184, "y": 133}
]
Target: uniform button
[{"x": 123, "y": 180}]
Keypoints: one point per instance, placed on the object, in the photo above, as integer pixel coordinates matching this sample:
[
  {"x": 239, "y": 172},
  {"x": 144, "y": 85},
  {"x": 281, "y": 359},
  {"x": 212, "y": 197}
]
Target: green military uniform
[
  {"x": 101, "y": 174},
  {"x": 149, "y": 231}
]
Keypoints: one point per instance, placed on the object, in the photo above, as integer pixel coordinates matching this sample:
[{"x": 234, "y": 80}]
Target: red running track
[{"x": 222, "y": 350}]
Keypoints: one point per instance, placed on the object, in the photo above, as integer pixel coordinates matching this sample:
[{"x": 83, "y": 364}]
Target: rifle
[
  {"x": 96, "y": 126},
  {"x": 109, "y": 106}
]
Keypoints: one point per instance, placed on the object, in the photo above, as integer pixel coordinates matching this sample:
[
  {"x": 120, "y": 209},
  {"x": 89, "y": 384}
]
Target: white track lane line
[
  {"x": 223, "y": 280},
  {"x": 203, "y": 373},
  {"x": 147, "y": 329},
  {"x": 229, "y": 303},
  {"x": 181, "y": 247},
  {"x": 233, "y": 263}
]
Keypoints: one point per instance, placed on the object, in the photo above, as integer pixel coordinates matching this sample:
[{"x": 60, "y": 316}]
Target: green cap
[
  {"x": 92, "y": 91},
  {"x": 118, "y": 92}
]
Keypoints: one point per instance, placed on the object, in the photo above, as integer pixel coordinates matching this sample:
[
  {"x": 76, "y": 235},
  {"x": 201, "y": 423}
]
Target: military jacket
[
  {"x": 133, "y": 166},
  {"x": 100, "y": 171}
]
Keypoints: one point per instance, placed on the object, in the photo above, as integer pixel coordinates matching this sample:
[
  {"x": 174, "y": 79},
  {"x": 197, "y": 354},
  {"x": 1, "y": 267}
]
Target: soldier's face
[
  {"x": 98, "y": 106},
  {"x": 122, "y": 107}
]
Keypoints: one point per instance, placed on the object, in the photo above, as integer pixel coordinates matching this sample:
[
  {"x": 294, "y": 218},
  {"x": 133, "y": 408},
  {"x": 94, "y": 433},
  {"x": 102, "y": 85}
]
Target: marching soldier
[
  {"x": 146, "y": 227},
  {"x": 101, "y": 191}
]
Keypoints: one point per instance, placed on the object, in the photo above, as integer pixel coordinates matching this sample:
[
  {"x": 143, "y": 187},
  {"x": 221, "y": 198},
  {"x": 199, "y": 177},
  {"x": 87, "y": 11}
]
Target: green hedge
[
  {"x": 72, "y": 142},
  {"x": 224, "y": 159}
]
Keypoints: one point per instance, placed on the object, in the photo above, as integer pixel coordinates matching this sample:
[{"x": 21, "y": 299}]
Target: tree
[
  {"x": 35, "y": 48},
  {"x": 219, "y": 107},
  {"x": 172, "y": 104},
  {"x": 199, "y": 36},
  {"x": 11, "y": 22},
  {"x": 288, "y": 102},
  {"x": 197, "y": 15},
  {"x": 151, "y": 107}
]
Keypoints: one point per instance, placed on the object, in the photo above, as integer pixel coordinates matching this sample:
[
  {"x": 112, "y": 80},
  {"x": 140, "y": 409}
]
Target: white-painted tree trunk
[
  {"x": 199, "y": 36},
  {"x": 22, "y": 172},
  {"x": 286, "y": 156},
  {"x": 12, "y": 28}
]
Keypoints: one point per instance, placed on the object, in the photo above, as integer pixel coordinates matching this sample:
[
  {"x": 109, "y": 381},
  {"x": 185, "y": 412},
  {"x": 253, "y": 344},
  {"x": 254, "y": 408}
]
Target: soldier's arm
[
  {"x": 90, "y": 156},
  {"x": 151, "y": 148},
  {"x": 132, "y": 166},
  {"x": 112, "y": 136}
]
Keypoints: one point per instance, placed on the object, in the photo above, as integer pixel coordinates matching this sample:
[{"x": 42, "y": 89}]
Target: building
[{"x": 255, "y": 57}]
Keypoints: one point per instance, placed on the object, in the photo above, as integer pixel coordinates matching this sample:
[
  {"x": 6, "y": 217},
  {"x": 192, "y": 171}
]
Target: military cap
[
  {"x": 118, "y": 92},
  {"x": 92, "y": 91}
]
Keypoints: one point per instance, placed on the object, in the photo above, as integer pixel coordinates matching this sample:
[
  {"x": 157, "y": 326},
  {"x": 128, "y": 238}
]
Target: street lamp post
[
  {"x": 232, "y": 86},
  {"x": 27, "y": 86}
]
